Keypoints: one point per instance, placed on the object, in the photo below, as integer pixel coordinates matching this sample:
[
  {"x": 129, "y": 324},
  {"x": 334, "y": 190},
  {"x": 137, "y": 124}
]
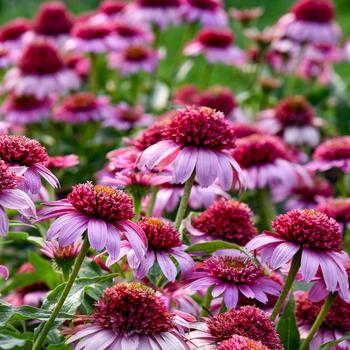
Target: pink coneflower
[
  {"x": 333, "y": 153},
  {"x": 304, "y": 195},
  {"x": 90, "y": 37},
  {"x": 63, "y": 162},
  {"x": 79, "y": 63},
  {"x": 238, "y": 342},
  {"x": 231, "y": 274},
  {"x": 247, "y": 321},
  {"x": 7, "y": 57},
  {"x": 4, "y": 272},
  {"x": 335, "y": 325},
  {"x": 217, "y": 46},
  {"x": 15, "y": 34},
  {"x": 265, "y": 161},
  {"x": 294, "y": 119},
  {"x": 336, "y": 208},
  {"x": 53, "y": 21},
  {"x": 225, "y": 219},
  {"x": 186, "y": 95},
  {"x": 221, "y": 99},
  {"x": 125, "y": 117},
  {"x": 103, "y": 211},
  {"x": 315, "y": 69},
  {"x": 169, "y": 196},
  {"x": 41, "y": 72},
  {"x": 128, "y": 34},
  {"x": 24, "y": 110},
  {"x": 313, "y": 235},
  {"x": 311, "y": 22},
  {"x": 131, "y": 315},
  {"x": 164, "y": 243},
  {"x": 63, "y": 256},
  {"x": 210, "y": 13},
  {"x": 11, "y": 197},
  {"x": 196, "y": 140},
  {"x": 32, "y": 157},
  {"x": 112, "y": 8},
  {"x": 134, "y": 59},
  {"x": 162, "y": 13},
  {"x": 245, "y": 129},
  {"x": 246, "y": 16},
  {"x": 82, "y": 107}
]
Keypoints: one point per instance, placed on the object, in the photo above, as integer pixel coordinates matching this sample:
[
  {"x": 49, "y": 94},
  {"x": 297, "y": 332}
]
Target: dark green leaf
[
  {"x": 44, "y": 270},
  {"x": 212, "y": 246},
  {"x": 18, "y": 235},
  {"x": 287, "y": 327},
  {"x": 61, "y": 346},
  {"x": 329, "y": 345}
]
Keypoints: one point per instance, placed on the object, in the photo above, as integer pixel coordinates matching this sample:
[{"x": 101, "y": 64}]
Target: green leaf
[
  {"x": 9, "y": 313},
  {"x": 287, "y": 327},
  {"x": 10, "y": 339},
  {"x": 61, "y": 346},
  {"x": 20, "y": 280},
  {"x": 44, "y": 270},
  {"x": 329, "y": 345},
  {"x": 212, "y": 246},
  {"x": 18, "y": 235}
]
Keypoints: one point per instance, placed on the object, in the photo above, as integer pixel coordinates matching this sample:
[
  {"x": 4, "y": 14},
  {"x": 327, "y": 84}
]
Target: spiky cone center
[
  {"x": 8, "y": 179},
  {"x": 218, "y": 38},
  {"x": 137, "y": 53},
  {"x": 80, "y": 102},
  {"x": 334, "y": 149},
  {"x": 14, "y": 29},
  {"x": 238, "y": 342},
  {"x": 25, "y": 102},
  {"x": 88, "y": 31},
  {"x": 318, "y": 11},
  {"x": 210, "y": 5},
  {"x": 337, "y": 208},
  {"x": 133, "y": 309},
  {"x": 158, "y": 3}
]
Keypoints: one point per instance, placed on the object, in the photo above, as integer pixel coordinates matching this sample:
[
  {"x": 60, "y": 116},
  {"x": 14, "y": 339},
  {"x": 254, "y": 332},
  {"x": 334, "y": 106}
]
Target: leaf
[
  {"x": 212, "y": 246},
  {"x": 9, "y": 313},
  {"x": 10, "y": 339},
  {"x": 287, "y": 327},
  {"x": 18, "y": 235},
  {"x": 330, "y": 344},
  {"x": 61, "y": 346},
  {"x": 44, "y": 270},
  {"x": 20, "y": 280}
]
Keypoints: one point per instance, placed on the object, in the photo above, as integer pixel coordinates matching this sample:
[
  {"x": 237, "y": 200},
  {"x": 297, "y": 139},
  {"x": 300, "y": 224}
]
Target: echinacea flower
[
  {"x": 247, "y": 321},
  {"x": 12, "y": 197},
  {"x": 161, "y": 13},
  {"x": 231, "y": 273},
  {"x": 125, "y": 117},
  {"x": 313, "y": 235},
  {"x": 164, "y": 242},
  {"x": 225, "y": 219},
  {"x": 134, "y": 59},
  {"x": 294, "y": 119},
  {"x": 311, "y": 22},
  {"x": 63, "y": 162},
  {"x": 7, "y": 57},
  {"x": 109, "y": 11},
  {"x": 209, "y": 13},
  {"x": 23, "y": 110},
  {"x": 53, "y": 21},
  {"x": 90, "y": 38},
  {"x": 266, "y": 161},
  {"x": 333, "y": 153},
  {"x": 31, "y": 157},
  {"x": 103, "y": 211},
  {"x": 336, "y": 208},
  {"x": 197, "y": 140},
  {"x": 131, "y": 316},
  {"x": 4, "y": 272},
  {"x": 246, "y": 16},
  {"x": 40, "y": 72},
  {"x": 221, "y": 99},
  {"x": 79, "y": 63},
  {"x": 82, "y": 107},
  {"x": 237, "y": 342},
  {"x": 217, "y": 46},
  {"x": 335, "y": 325},
  {"x": 169, "y": 195},
  {"x": 15, "y": 34}
]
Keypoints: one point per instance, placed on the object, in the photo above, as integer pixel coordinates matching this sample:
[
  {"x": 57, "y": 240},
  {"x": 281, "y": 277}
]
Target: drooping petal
[
  {"x": 47, "y": 175},
  {"x": 225, "y": 173},
  {"x": 185, "y": 261},
  {"x": 167, "y": 266},
  {"x": 135, "y": 236},
  {"x": 97, "y": 232},
  {"x": 207, "y": 167},
  {"x": 4, "y": 272},
  {"x": 4, "y": 222},
  {"x": 113, "y": 241},
  {"x": 146, "y": 264},
  {"x": 184, "y": 164},
  {"x": 262, "y": 240},
  {"x": 283, "y": 253},
  {"x": 309, "y": 264},
  {"x": 231, "y": 296}
]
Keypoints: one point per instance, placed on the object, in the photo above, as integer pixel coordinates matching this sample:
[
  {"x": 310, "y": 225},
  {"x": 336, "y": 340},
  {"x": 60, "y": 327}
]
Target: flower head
[
  {"x": 238, "y": 342},
  {"x": 228, "y": 220},
  {"x": 14, "y": 30},
  {"x": 319, "y": 11},
  {"x": 8, "y": 179},
  {"x": 134, "y": 312}
]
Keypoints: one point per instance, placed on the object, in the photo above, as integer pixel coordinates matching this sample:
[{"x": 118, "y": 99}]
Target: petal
[
  {"x": 207, "y": 167},
  {"x": 113, "y": 241},
  {"x": 145, "y": 264},
  {"x": 231, "y": 296},
  {"x": 167, "y": 266},
  {"x": 218, "y": 290},
  {"x": 283, "y": 253},
  {"x": 4, "y": 272},
  {"x": 97, "y": 232},
  {"x": 4, "y": 222},
  {"x": 262, "y": 240},
  {"x": 185, "y": 164},
  {"x": 135, "y": 236},
  {"x": 225, "y": 173},
  {"x": 309, "y": 264},
  {"x": 185, "y": 261}
]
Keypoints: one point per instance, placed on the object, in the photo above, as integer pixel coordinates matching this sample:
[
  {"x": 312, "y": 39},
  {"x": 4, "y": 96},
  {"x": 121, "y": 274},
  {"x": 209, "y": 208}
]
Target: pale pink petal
[
  {"x": 231, "y": 296},
  {"x": 97, "y": 232},
  {"x": 4, "y": 272},
  {"x": 207, "y": 167},
  {"x": 113, "y": 241},
  {"x": 185, "y": 164},
  {"x": 309, "y": 264},
  {"x": 167, "y": 266},
  {"x": 262, "y": 240},
  {"x": 283, "y": 253},
  {"x": 225, "y": 173},
  {"x": 146, "y": 264},
  {"x": 4, "y": 222}
]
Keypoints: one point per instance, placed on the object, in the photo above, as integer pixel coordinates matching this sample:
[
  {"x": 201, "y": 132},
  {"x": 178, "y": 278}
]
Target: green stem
[
  {"x": 207, "y": 76},
  {"x": 134, "y": 88},
  {"x": 152, "y": 201},
  {"x": 45, "y": 330},
  {"x": 288, "y": 285},
  {"x": 93, "y": 82},
  {"x": 267, "y": 208},
  {"x": 184, "y": 202},
  {"x": 206, "y": 302},
  {"x": 343, "y": 185},
  {"x": 320, "y": 318},
  {"x": 137, "y": 207}
]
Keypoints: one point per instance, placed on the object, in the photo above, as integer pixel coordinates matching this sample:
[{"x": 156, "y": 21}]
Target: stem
[
  {"x": 45, "y": 330},
  {"x": 93, "y": 82},
  {"x": 137, "y": 207},
  {"x": 320, "y": 318},
  {"x": 152, "y": 201},
  {"x": 343, "y": 185},
  {"x": 184, "y": 202},
  {"x": 268, "y": 211},
  {"x": 134, "y": 84},
  {"x": 288, "y": 284},
  {"x": 206, "y": 302},
  {"x": 207, "y": 76}
]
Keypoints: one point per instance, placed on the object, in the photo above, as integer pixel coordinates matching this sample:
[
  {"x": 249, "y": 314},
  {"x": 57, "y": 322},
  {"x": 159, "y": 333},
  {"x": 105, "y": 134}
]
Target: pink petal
[
  {"x": 167, "y": 266},
  {"x": 4, "y": 222},
  {"x": 113, "y": 241},
  {"x": 4, "y": 272},
  {"x": 309, "y": 264},
  {"x": 207, "y": 167},
  {"x": 97, "y": 232},
  {"x": 283, "y": 253},
  {"x": 184, "y": 164},
  {"x": 225, "y": 173},
  {"x": 231, "y": 296},
  {"x": 261, "y": 241}
]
